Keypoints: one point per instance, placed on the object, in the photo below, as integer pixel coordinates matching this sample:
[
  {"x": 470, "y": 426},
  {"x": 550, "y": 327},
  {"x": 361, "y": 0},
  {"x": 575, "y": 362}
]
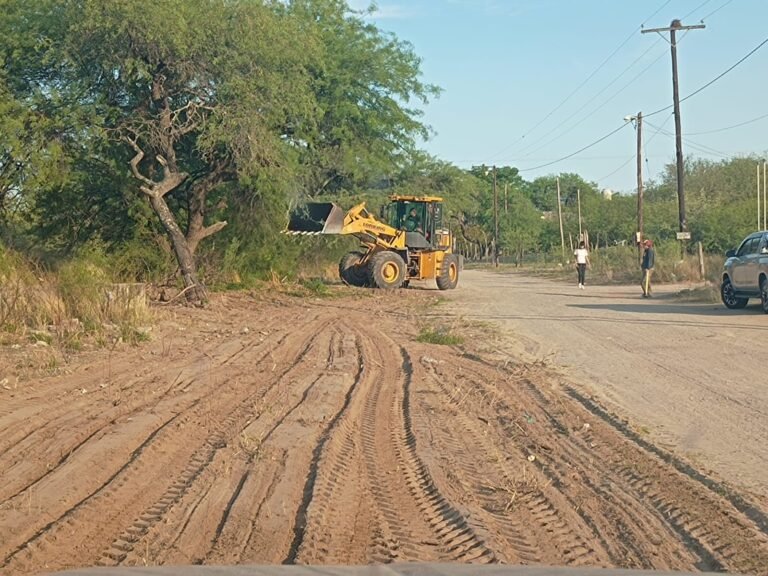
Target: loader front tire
[
  {"x": 386, "y": 270},
  {"x": 351, "y": 271},
  {"x": 449, "y": 273}
]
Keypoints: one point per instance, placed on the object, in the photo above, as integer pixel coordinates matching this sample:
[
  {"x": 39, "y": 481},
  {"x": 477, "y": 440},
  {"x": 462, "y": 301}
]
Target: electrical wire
[
  {"x": 615, "y": 94},
  {"x": 579, "y": 151},
  {"x": 585, "y": 117},
  {"x": 633, "y": 157},
  {"x": 699, "y": 7},
  {"x": 715, "y": 79},
  {"x": 583, "y": 83},
  {"x": 716, "y": 10},
  {"x": 727, "y": 127},
  {"x": 695, "y": 145}
]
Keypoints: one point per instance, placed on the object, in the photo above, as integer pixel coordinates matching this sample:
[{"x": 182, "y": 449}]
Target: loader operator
[{"x": 413, "y": 222}]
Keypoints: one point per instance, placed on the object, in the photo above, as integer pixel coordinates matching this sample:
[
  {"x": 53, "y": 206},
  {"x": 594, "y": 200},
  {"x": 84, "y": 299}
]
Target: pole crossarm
[{"x": 670, "y": 28}]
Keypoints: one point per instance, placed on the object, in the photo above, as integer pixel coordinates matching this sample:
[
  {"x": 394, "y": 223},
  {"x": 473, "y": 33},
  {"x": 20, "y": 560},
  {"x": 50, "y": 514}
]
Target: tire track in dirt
[
  {"x": 99, "y": 414},
  {"x": 461, "y": 540},
  {"x": 127, "y": 479},
  {"x": 523, "y": 520},
  {"x": 369, "y": 469},
  {"x": 233, "y": 534},
  {"x": 724, "y": 533},
  {"x": 238, "y": 419},
  {"x": 106, "y": 418},
  {"x": 587, "y": 468},
  {"x": 300, "y": 522},
  {"x": 720, "y": 535},
  {"x": 341, "y": 491}
]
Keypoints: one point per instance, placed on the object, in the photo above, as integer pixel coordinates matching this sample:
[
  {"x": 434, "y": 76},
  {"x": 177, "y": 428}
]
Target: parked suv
[{"x": 745, "y": 273}]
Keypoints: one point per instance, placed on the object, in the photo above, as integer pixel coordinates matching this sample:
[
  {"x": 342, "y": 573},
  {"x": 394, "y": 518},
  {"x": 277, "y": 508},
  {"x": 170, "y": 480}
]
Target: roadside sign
[{"x": 683, "y": 235}]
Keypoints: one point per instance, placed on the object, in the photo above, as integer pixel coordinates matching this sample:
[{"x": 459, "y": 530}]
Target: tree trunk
[{"x": 186, "y": 259}]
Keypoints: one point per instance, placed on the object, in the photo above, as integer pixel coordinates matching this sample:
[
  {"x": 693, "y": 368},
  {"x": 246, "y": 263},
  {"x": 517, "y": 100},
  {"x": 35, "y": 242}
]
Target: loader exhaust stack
[{"x": 316, "y": 218}]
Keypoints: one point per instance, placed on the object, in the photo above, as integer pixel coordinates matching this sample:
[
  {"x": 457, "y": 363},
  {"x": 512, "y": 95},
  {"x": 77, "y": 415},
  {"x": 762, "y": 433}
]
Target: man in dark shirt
[
  {"x": 413, "y": 222},
  {"x": 648, "y": 261}
]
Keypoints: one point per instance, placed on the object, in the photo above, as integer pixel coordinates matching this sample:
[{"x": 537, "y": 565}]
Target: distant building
[{"x": 607, "y": 193}]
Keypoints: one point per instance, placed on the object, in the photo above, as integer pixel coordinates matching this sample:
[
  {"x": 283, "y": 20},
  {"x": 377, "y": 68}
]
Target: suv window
[{"x": 749, "y": 246}]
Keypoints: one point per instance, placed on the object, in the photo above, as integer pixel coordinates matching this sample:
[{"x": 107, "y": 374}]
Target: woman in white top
[{"x": 582, "y": 261}]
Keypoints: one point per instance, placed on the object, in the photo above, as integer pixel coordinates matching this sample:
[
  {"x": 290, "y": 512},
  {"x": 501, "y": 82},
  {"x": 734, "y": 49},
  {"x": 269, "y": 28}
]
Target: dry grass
[{"x": 67, "y": 307}]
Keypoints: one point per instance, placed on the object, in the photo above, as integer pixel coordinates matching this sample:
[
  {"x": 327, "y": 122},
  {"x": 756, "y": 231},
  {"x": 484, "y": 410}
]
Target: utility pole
[
  {"x": 560, "y": 217},
  {"x": 495, "y": 221},
  {"x": 640, "y": 174},
  {"x": 578, "y": 202},
  {"x": 674, "y": 27},
  {"x": 639, "y": 182}
]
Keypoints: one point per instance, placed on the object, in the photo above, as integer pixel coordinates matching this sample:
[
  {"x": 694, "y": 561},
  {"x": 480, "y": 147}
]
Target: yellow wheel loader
[{"x": 408, "y": 242}]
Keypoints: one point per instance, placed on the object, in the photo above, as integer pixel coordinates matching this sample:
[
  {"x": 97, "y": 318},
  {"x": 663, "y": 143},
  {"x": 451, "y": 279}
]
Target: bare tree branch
[{"x": 135, "y": 166}]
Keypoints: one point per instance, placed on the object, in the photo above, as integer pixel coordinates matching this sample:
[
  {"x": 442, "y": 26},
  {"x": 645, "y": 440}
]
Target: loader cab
[{"x": 419, "y": 217}]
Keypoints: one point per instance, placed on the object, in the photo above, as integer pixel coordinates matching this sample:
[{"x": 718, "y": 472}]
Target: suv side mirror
[{"x": 730, "y": 253}]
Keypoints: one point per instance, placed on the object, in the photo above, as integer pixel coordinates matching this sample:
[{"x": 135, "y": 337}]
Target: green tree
[
  {"x": 198, "y": 92},
  {"x": 519, "y": 225},
  {"x": 364, "y": 82}
]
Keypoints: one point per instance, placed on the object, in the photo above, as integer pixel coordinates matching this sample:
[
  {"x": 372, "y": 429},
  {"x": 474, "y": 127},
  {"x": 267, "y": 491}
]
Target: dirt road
[
  {"x": 287, "y": 430},
  {"x": 692, "y": 375}
]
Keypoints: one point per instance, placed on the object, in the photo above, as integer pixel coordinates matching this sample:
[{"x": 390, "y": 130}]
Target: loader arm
[
  {"x": 370, "y": 231},
  {"x": 328, "y": 218}
]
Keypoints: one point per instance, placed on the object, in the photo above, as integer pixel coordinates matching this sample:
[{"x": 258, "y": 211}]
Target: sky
[{"x": 528, "y": 82}]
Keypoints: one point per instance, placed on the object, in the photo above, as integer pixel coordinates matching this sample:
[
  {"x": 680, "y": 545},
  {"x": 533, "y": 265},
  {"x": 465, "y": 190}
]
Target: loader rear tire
[
  {"x": 386, "y": 270},
  {"x": 351, "y": 271},
  {"x": 449, "y": 273}
]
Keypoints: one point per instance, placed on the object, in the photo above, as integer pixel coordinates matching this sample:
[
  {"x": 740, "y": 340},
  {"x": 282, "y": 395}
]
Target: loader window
[
  {"x": 410, "y": 216},
  {"x": 414, "y": 221}
]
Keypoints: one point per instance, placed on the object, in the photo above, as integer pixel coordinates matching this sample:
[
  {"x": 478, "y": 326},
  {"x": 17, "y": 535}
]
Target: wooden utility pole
[
  {"x": 674, "y": 27},
  {"x": 560, "y": 217},
  {"x": 765, "y": 197},
  {"x": 506, "y": 206},
  {"x": 578, "y": 202},
  {"x": 759, "y": 213},
  {"x": 495, "y": 221},
  {"x": 639, "y": 182}
]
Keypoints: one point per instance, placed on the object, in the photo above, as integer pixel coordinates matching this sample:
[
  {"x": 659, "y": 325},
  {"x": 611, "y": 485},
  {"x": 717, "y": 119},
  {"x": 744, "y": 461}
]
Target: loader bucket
[{"x": 316, "y": 218}]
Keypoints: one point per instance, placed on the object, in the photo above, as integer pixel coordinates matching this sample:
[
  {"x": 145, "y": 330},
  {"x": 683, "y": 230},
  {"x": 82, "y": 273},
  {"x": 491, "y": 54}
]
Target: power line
[
  {"x": 580, "y": 120},
  {"x": 615, "y": 94},
  {"x": 699, "y": 7},
  {"x": 727, "y": 127},
  {"x": 716, "y": 10},
  {"x": 579, "y": 151},
  {"x": 583, "y": 83},
  {"x": 697, "y": 146},
  {"x": 715, "y": 79},
  {"x": 645, "y": 144}
]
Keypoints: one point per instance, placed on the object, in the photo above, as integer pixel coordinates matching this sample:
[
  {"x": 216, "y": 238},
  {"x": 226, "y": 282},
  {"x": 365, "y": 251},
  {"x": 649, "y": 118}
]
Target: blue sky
[{"x": 523, "y": 83}]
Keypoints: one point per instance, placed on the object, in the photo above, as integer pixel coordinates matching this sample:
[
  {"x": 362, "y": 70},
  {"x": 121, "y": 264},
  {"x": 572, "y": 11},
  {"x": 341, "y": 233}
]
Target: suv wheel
[
  {"x": 728, "y": 295},
  {"x": 764, "y": 295}
]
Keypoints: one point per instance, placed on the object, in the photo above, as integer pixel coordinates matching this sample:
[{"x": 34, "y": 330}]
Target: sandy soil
[
  {"x": 288, "y": 430},
  {"x": 692, "y": 375}
]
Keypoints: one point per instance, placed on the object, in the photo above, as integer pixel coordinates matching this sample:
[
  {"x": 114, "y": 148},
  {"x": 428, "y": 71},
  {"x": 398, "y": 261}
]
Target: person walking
[
  {"x": 582, "y": 261},
  {"x": 647, "y": 266}
]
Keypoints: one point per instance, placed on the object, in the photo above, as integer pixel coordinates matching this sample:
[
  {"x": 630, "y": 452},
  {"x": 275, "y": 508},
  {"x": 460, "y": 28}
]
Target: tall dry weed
[{"x": 77, "y": 300}]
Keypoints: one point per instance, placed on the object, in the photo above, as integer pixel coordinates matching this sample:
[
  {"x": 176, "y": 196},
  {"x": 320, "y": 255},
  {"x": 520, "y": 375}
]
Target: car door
[{"x": 746, "y": 259}]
